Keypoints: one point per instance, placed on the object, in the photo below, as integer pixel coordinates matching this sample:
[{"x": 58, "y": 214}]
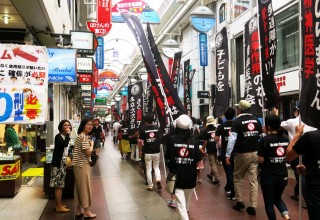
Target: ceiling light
[{"x": 6, "y": 19}]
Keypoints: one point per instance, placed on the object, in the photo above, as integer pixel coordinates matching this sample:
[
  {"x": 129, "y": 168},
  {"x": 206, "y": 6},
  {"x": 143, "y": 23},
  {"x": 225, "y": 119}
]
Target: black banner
[
  {"x": 148, "y": 99},
  {"x": 170, "y": 92},
  {"x": 136, "y": 28},
  {"x": 310, "y": 75},
  {"x": 135, "y": 101},
  {"x": 221, "y": 102},
  {"x": 268, "y": 42},
  {"x": 253, "y": 92},
  {"x": 186, "y": 84},
  {"x": 176, "y": 69}
]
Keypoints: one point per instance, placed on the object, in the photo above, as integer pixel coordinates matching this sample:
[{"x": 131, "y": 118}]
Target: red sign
[
  {"x": 103, "y": 24},
  {"x": 95, "y": 77},
  {"x": 85, "y": 78}
]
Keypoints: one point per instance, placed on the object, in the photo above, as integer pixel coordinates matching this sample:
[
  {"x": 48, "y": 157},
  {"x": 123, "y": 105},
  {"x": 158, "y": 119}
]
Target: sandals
[{"x": 91, "y": 216}]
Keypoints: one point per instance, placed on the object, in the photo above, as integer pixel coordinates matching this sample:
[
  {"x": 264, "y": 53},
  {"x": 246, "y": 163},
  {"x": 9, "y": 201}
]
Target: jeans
[
  {"x": 313, "y": 204},
  {"x": 183, "y": 198},
  {"x": 229, "y": 175},
  {"x": 152, "y": 160},
  {"x": 272, "y": 188}
]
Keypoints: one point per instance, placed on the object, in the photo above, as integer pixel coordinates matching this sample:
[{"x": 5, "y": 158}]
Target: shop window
[
  {"x": 222, "y": 13},
  {"x": 240, "y": 6},
  {"x": 287, "y": 38}
]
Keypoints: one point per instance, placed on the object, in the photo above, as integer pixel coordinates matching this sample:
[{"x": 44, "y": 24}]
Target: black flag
[
  {"x": 253, "y": 91},
  {"x": 175, "y": 70},
  {"x": 268, "y": 42},
  {"x": 222, "y": 74},
  {"x": 310, "y": 76},
  {"x": 135, "y": 101}
]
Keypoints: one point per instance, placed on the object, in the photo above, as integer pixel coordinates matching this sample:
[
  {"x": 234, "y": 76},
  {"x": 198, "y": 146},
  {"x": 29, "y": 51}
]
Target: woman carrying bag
[{"x": 184, "y": 155}]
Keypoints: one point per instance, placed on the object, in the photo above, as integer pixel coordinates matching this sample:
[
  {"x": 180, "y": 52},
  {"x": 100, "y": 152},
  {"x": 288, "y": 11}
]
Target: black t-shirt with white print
[
  {"x": 148, "y": 133},
  {"x": 309, "y": 146},
  {"x": 208, "y": 136},
  {"x": 249, "y": 130},
  {"x": 273, "y": 148},
  {"x": 223, "y": 131}
]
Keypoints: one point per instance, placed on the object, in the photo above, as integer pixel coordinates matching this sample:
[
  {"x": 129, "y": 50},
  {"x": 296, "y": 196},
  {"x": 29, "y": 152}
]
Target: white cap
[{"x": 184, "y": 122}]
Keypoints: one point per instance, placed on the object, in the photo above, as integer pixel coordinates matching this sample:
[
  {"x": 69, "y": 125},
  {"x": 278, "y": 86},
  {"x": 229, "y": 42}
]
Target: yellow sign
[{"x": 10, "y": 171}]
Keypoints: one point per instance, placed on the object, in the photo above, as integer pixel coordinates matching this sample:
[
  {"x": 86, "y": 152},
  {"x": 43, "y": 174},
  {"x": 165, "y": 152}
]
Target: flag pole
[{"x": 300, "y": 72}]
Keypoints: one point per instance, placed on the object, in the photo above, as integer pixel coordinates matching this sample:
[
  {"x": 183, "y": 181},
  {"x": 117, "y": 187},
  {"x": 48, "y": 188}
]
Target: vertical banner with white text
[
  {"x": 222, "y": 74},
  {"x": 135, "y": 100}
]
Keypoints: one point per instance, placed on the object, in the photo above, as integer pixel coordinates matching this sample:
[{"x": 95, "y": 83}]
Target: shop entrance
[{"x": 287, "y": 105}]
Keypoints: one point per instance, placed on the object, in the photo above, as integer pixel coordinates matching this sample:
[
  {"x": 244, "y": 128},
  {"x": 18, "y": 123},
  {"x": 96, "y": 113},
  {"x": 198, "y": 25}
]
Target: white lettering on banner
[{"x": 220, "y": 53}]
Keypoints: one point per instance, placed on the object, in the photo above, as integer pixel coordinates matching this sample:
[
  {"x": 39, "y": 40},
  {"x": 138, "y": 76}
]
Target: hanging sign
[
  {"x": 203, "y": 42},
  {"x": 100, "y": 53},
  {"x": 85, "y": 78},
  {"x": 103, "y": 24},
  {"x": 23, "y": 84},
  {"x": 84, "y": 65}
]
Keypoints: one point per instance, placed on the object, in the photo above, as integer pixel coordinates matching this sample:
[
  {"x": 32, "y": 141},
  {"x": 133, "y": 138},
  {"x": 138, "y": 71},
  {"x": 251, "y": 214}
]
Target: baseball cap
[{"x": 243, "y": 104}]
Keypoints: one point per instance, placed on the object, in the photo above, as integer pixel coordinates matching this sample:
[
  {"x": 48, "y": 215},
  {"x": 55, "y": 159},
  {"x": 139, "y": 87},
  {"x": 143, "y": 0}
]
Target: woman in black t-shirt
[{"x": 273, "y": 174}]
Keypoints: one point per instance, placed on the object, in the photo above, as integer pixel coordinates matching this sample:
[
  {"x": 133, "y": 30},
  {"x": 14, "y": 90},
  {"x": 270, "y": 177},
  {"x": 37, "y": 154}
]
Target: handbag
[
  {"x": 172, "y": 177},
  {"x": 94, "y": 158}
]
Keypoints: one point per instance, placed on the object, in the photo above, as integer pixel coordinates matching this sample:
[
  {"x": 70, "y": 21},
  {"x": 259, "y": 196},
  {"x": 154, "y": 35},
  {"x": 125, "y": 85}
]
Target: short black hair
[
  {"x": 148, "y": 118},
  {"x": 229, "y": 113},
  {"x": 273, "y": 121},
  {"x": 60, "y": 126}
]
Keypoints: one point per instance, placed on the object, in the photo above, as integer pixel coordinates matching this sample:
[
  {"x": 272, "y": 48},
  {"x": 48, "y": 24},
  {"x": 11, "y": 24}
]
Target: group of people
[{"x": 88, "y": 140}]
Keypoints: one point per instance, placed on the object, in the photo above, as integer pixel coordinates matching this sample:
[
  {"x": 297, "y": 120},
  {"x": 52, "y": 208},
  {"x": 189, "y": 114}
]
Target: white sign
[
  {"x": 86, "y": 87},
  {"x": 84, "y": 65}
]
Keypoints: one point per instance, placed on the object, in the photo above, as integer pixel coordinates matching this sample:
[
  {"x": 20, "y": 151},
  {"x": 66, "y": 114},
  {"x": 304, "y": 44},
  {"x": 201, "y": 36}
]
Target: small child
[{"x": 201, "y": 165}]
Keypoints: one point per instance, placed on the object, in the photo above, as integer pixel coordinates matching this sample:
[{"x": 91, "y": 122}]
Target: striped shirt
[{"x": 82, "y": 143}]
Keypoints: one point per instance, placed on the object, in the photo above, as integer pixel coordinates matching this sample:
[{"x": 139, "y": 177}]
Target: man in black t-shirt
[
  {"x": 244, "y": 139},
  {"x": 151, "y": 149},
  {"x": 308, "y": 145},
  {"x": 223, "y": 132}
]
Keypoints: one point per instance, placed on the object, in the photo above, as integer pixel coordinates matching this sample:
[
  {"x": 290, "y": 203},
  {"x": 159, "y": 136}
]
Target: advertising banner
[
  {"x": 268, "y": 43},
  {"x": 221, "y": 101},
  {"x": 186, "y": 83},
  {"x": 100, "y": 53},
  {"x": 135, "y": 100},
  {"x": 23, "y": 84},
  {"x": 203, "y": 47},
  {"x": 10, "y": 171},
  {"x": 310, "y": 77},
  {"x": 85, "y": 78},
  {"x": 62, "y": 65},
  {"x": 175, "y": 70},
  {"x": 100, "y": 22},
  {"x": 253, "y": 92}
]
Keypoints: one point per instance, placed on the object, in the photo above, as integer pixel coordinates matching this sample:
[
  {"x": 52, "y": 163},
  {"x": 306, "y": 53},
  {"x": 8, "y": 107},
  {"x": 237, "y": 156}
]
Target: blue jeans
[
  {"x": 272, "y": 188},
  {"x": 313, "y": 204},
  {"x": 229, "y": 175}
]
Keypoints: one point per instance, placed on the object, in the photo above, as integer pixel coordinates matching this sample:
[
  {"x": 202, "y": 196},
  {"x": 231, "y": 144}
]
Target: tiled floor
[{"x": 119, "y": 193}]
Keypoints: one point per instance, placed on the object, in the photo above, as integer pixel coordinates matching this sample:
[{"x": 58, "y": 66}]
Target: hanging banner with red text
[
  {"x": 268, "y": 42},
  {"x": 310, "y": 76},
  {"x": 23, "y": 84},
  {"x": 100, "y": 23},
  {"x": 253, "y": 91}
]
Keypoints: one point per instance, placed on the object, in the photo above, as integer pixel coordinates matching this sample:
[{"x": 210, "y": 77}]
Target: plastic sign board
[
  {"x": 82, "y": 41},
  {"x": 85, "y": 78},
  {"x": 10, "y": 171},
  {"x": 203, "y": 49},
  {"x": 203, "y": 94},
  {"x": 102, "y": 25},
  {"x": 62, "y": 65},
  {"x": 23, "y": 84},
  {"x": 84, "y": 65},
  {"x": 100, "y": 53}
]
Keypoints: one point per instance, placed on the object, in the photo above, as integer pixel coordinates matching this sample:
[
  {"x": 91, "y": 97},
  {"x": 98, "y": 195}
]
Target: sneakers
[
  {"x": 172, "y": 203},
  {"x": 251, "y": 210},
  {"x": 159, "y": 187},
  {"x": 209, "y": 176},
  {"x": 216, "y": 182},
  {"x": 229, "y": 197},
  {"x": 238, "y": 206},
  {"x": 227, "y": 192},
  {"x": 150, "y": 188}
]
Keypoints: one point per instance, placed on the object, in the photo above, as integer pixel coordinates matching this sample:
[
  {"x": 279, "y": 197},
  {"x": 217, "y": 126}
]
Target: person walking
[
  {"x": 151, "y": 149},
  {"x": 97, "y": 132},
  {"x": 184, "y": 155},
  {"x": 58, "y": 163},
  {"x": 83, "y": 148},
  {"x": 116, "y": 126},
  {"x": 273, "y": 169},
  {"x": 308, "y": 144},
  {"x": 244, "y": 138},
  {"x": 222, "y": 133},
  {"x": 211, "y": 149}
]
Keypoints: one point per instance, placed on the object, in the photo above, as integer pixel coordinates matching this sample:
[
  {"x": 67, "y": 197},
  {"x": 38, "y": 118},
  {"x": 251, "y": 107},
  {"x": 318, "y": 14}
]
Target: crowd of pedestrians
[{"x": 242, "y": 146}]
